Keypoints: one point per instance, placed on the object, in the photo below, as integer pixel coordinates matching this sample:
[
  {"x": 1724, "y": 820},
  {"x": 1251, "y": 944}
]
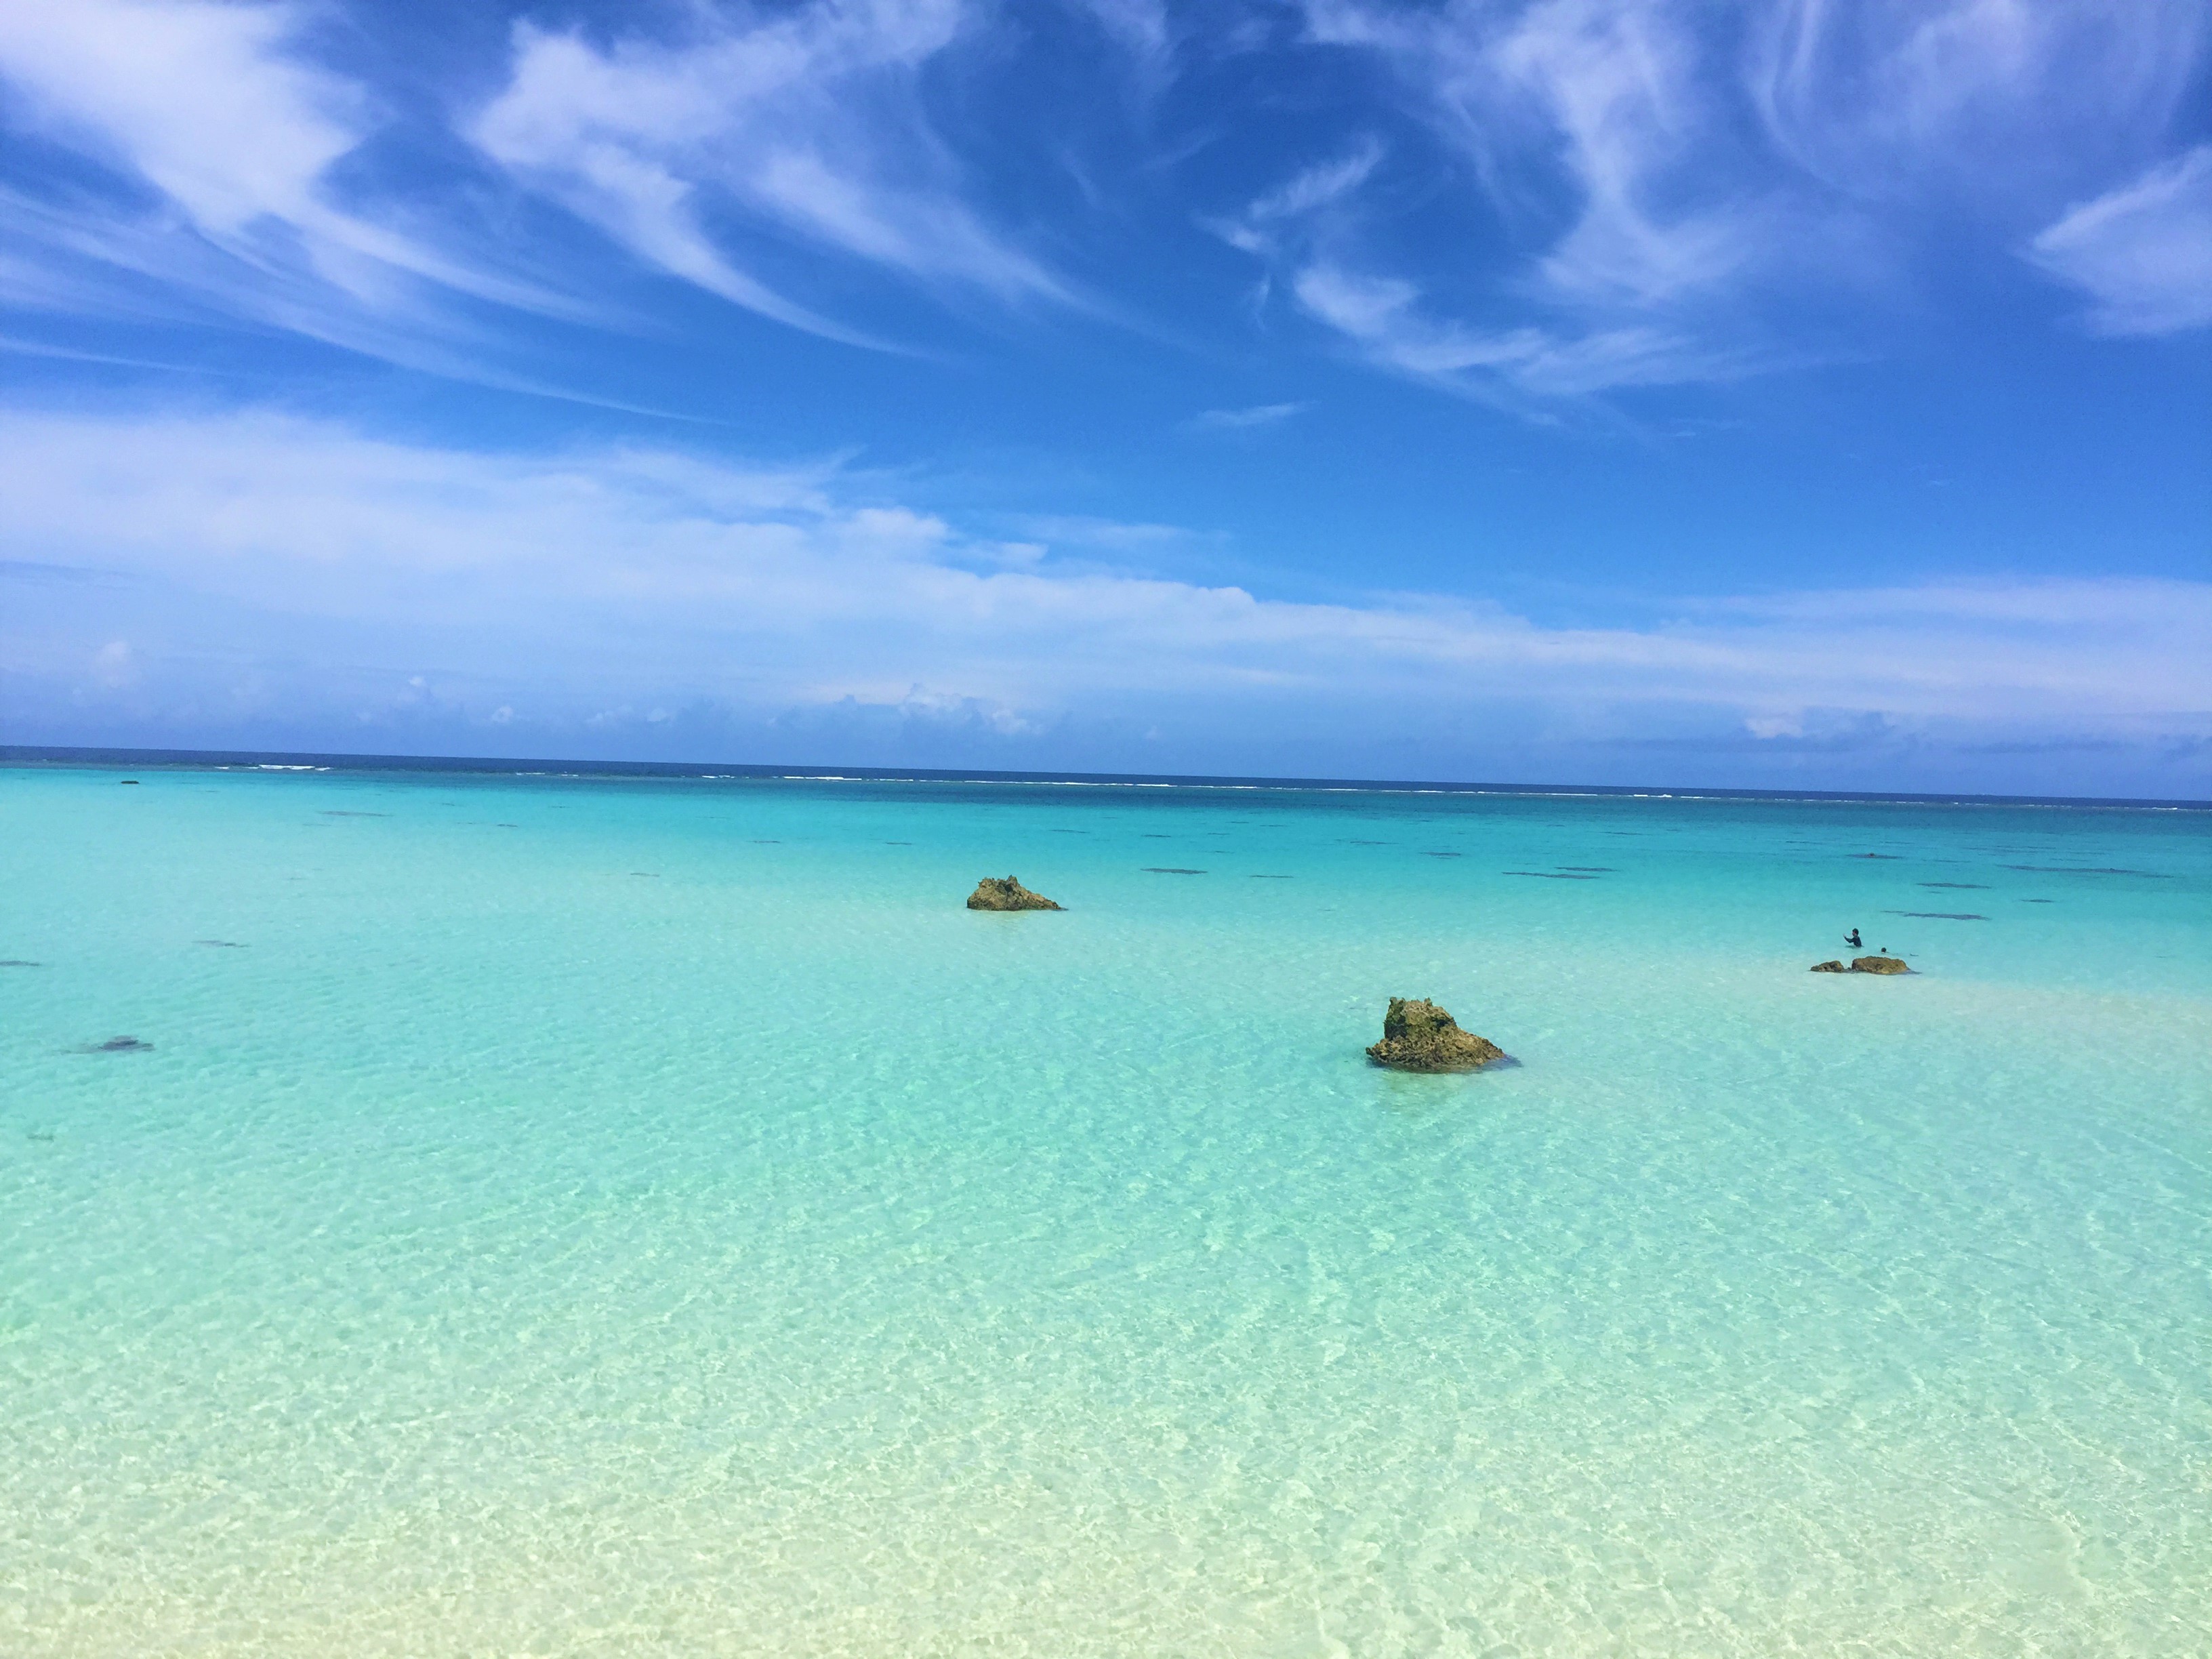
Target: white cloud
[
  {"x": 1993, "y": 98},
  {"x": 234, "y": 191},
  {"x": 1383, "y": 316},
  {"x": 1620, "y": 87},
  {"x": 229, "y": 135},
  {"x": 1615, "y": 96},
  {"x": 1081, "y": 531},
  {"x": 112, "y": 664},
  {"x": 1671, "y": 180},
  {"x": 2142, "y": 252},
  {"x": 805, "y": 124},
  {"x": 1614, "y": 105},
  {"x": 1290, "y": 205},
  {"x": 259, "y": 556},
  {"x": 1141, "y": 26},
  {"x": 1247, "y": 419},
  {"x": 199, "y": 98},
  {"x": 1641, "y": 191}
]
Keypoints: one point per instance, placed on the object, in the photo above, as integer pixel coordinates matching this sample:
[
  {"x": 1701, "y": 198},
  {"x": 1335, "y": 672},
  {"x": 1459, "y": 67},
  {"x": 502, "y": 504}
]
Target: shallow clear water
[{"x": 598, "y": 1217}]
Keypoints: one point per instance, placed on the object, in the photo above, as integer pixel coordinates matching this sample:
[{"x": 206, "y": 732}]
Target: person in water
[{"x": 1852, "y": 939}]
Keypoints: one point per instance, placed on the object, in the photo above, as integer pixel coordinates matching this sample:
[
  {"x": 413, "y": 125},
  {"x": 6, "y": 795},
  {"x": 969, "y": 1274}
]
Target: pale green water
[{"x": 504, "y": 1252}]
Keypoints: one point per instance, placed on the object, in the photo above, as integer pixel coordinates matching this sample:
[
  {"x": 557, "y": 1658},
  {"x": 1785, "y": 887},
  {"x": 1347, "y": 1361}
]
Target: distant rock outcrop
[
  {"x": 1830, "y": 968},
  {"x": 1878, "y": 965},
  {"x": 1005, "y": 893},
  {"x": 1419, "y": 1036}
]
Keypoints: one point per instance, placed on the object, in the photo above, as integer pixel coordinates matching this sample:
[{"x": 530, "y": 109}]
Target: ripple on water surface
[{"x": 503, "y": 1254}]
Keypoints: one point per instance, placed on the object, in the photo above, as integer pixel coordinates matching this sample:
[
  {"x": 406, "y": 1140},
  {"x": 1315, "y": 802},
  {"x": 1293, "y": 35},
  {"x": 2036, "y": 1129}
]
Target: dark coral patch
[
  {"x": 1419, "y": 1036},
  {"x": 1006, "y": 893}
]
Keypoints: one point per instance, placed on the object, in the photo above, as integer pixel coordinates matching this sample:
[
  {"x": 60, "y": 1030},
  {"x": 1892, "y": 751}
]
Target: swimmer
[{"x": 1852, "y": 939}]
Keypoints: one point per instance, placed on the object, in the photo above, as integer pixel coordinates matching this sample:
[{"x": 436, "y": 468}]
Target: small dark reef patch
[
  {"x": 117, "y": 1045},
  {"x": 1419, "y": 1036},
  {"x": 1170, "y": 870},
  {"x": 1006, "y": 893},
  {"x": 2079, "y": 870}
]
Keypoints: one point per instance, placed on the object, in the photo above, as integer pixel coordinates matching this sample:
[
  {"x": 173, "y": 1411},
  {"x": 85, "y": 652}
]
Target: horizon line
[{"x": 65, "y": 754}]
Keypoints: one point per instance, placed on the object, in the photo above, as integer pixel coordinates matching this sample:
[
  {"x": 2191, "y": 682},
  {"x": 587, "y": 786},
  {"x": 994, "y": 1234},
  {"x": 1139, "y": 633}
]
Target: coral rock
[
  {"x": 1005, "y": 893},
  {"x": 1419, "y": 1036},
  {"x": 1829, "y": 968},
  {"x": 1878, "y": 965}
]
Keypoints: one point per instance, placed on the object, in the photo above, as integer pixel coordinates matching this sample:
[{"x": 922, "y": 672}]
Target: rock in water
[
  {"x": 1830, "y": 968},
  {"x": 1419, "y": 1036},
  {"x": 1005, "y": 893},
  {"x": 1878, "y": 965}
]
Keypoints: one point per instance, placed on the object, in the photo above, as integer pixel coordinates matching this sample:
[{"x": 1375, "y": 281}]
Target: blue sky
[{"x": 1787, "y": 394}]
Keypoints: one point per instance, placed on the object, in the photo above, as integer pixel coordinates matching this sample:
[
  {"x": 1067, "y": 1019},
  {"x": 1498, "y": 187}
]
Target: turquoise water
[{"x": 579, "y": 1217}]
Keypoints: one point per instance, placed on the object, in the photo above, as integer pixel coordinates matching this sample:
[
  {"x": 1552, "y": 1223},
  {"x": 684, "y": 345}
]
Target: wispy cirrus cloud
[
  {"x": 1530, "y": 201},
  {"x": 1141, "y": 26},
  {"x": 1619, "y": 92},
  {"x": 1614, "y": 103},
  {"x": 202, "y": 101},
  {"x": 1662, "y": 187},
  {"x": 215, "y": 136},
  {"x": 217, "y": 171},
  {"x": 1249, "y": 419},
  {"x": 2142, "y": 252},
  {"x": 1287, "y": 212},
  {"x": 807, "y": 123},
  {"x": 1990, "y": 101},
  {"x": 1384, "y": 316},
  {"x": 242, "y": 559}
]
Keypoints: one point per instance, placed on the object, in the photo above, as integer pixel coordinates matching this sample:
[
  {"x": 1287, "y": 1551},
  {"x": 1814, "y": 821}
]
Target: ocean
[{"x": 620, "y": 1214}]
